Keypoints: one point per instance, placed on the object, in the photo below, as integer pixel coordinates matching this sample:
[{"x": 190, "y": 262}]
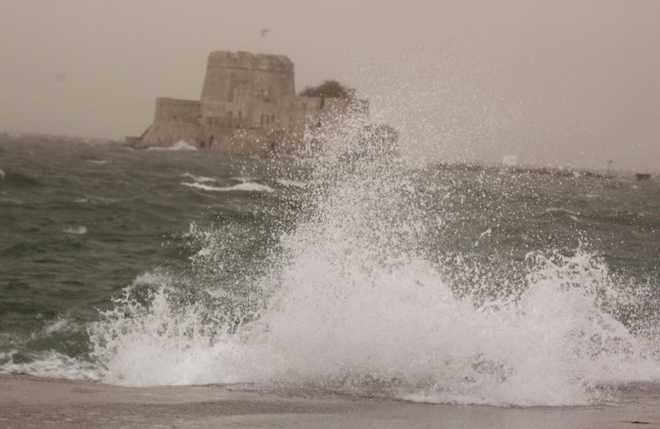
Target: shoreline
[{"x": 32, "y": 402}]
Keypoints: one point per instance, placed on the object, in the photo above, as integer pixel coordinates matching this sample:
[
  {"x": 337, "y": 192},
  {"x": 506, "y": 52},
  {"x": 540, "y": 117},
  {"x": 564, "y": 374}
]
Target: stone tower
[
  {"x": 248, "y": 106},
  {"x": 245, "y": 90}
]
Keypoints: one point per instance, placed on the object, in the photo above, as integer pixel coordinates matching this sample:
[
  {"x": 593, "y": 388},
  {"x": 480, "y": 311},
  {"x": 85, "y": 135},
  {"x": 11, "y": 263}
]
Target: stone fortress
[{"x": 248, "y": 106}]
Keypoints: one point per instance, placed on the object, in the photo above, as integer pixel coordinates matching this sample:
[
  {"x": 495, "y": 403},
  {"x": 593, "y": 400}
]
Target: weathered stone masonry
[{"x": 248, "y": 106}]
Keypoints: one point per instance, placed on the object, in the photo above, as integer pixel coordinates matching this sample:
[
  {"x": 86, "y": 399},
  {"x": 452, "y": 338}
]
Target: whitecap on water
[
  {"x": 561, "y": 210},
  {"x": 242, "y": 187},
  {"x": 58, "y": 325},
  {"x": 243, "y": 179},
  {"x": 10, "y": 200},
  {"x": 199, "y": 179},
  {"x": 51, "y": 364},
  {"x": 96, "y": 200},
  {"x": 76, "y": 230},
  {"x": 178, "y": 146}
]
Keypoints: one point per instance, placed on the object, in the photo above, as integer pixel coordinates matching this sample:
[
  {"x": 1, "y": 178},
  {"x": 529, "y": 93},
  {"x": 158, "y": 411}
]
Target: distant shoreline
[{"x": 465, "y": 166}]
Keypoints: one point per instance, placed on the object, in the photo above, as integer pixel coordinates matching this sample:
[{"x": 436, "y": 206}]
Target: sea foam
[{"x": 50, "y": 364}]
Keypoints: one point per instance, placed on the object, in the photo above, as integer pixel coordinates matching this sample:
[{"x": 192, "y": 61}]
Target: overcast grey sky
[{"x": 554, "y": 82}]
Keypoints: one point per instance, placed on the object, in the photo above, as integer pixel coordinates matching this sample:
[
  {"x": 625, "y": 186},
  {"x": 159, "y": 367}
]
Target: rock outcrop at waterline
[{"x": 248, "y": 106}]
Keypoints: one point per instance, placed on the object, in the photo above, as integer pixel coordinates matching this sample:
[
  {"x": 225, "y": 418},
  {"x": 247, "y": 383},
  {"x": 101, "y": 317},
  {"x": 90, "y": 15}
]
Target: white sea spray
[{"x": 352, "y": 303}]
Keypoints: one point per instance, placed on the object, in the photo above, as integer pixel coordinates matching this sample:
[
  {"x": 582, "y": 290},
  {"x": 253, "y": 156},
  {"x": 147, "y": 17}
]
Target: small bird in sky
[
  {"x": 60, "y": 77},
  {"x": 264, "y": 32}
]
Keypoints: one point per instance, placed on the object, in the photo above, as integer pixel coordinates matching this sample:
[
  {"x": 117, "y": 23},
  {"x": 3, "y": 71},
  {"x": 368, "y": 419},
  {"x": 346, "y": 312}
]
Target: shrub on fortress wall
[{"x": 329, "y": 89}]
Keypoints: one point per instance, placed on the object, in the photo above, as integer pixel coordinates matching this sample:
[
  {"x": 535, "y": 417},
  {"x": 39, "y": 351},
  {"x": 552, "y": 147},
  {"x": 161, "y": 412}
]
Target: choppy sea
[{"x": 376, "y": 277}]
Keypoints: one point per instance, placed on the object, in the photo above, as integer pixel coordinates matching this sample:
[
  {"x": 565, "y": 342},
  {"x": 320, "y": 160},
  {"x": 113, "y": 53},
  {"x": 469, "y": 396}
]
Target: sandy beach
[{"x": 29, "y": 402}]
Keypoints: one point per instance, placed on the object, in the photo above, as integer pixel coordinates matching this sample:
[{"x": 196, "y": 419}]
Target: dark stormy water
[{"x": 380, "y": 277}]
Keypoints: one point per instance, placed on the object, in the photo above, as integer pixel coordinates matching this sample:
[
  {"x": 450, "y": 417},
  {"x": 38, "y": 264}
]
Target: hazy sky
[{"x": 555, "y": 81}]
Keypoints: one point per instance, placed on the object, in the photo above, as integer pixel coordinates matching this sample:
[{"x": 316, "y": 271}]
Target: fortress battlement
[{"x": 250, "y": 61}]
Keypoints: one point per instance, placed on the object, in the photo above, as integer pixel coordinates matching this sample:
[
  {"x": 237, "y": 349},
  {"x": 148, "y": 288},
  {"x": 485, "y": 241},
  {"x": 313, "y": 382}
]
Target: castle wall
[
  {"x": 295, "y": 114},
  {"x": 174, "y": 120},
  {"x": 248, "y": 106},
  {"x": 171, "y": 109},
  {"x": 241, "y": 89},
  {"x": 251, "y": 142}
]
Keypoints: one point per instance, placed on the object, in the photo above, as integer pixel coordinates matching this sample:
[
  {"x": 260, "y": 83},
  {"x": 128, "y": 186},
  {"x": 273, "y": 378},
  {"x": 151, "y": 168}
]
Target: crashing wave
[{"x": 350, "y": 302}]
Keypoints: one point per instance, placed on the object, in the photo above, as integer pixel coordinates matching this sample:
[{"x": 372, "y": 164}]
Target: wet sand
[{"x": 29, "y": 402}]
